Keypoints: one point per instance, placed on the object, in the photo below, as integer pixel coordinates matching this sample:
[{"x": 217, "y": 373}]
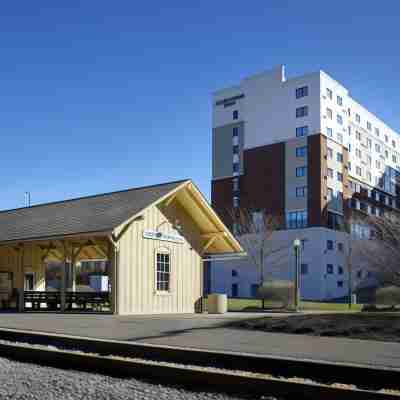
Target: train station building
[{"x": 148, "y": 244}]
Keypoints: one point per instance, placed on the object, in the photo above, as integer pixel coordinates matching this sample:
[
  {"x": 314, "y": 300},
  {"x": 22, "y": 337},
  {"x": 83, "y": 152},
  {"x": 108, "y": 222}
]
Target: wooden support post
[
  {"x": 73, "y": 269},
  {"x": 62, "y": 294},
  {"x": 112, "y": 259},
  {"x": 21, "y": 301}
]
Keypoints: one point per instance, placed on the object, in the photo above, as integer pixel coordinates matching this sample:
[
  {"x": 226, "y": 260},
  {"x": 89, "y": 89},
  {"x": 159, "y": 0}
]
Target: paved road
[{"x": 209, "y": 332}]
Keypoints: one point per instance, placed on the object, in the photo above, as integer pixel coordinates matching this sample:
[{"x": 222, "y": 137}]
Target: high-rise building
[{"x": 305, "y": 150}]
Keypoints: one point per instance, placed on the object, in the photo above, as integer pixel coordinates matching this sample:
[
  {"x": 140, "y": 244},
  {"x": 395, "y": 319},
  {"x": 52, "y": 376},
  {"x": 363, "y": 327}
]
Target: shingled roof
[{"x": 98, "y": 213}]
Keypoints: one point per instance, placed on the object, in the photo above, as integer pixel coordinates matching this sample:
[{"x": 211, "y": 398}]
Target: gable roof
[{"x": 99, "y": 213}]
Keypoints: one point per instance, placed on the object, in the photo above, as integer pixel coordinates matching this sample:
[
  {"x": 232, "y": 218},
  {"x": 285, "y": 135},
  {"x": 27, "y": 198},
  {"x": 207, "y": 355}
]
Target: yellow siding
[
  {"x": 136, "y": 264},
  {"x": 9, "y": 262}
]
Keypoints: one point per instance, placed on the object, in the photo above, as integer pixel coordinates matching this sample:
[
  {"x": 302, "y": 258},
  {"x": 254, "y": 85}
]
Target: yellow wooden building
[{"x": 153, "y": 238}]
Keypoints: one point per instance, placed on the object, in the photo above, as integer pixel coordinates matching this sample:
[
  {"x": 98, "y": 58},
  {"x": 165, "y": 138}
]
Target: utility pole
[
  {"x": 262, "y": 273},
  {"x": 27, "y": 199},
  {"x": 296, "y": 246},
  {"x": 350, "y": 272}
]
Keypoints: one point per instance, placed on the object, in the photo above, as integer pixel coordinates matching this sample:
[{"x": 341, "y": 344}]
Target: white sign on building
[{"x": 167, "y": 237}]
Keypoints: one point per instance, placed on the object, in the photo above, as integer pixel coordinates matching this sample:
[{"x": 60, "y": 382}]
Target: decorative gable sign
[{"x": 166, "y": 237}]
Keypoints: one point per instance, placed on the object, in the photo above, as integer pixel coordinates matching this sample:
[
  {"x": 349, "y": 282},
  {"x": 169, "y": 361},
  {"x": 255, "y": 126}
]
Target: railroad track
[{"x": 214, "y": 371}]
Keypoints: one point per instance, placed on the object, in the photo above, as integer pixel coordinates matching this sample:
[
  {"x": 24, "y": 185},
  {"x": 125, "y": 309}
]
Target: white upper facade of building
[{"x": 276, "y": 109}]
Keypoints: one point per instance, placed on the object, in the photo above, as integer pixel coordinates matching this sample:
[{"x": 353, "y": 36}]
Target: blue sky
[{"x": 99, "y": 96}]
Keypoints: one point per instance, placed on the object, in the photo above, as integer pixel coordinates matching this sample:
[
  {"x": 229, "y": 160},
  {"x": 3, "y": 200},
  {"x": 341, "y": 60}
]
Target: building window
[
  {"x": 369, "y": 143},
  {"x": 235, "y": 167},
  {"x": 235, "y": 114},
  {"x": 329, "y": 269},
  {"x": 377, "y": 148},
  {"x": 301, "y": 191},
  {"x": 163, "y": 271},
  {"x": 329, "y": 153},
  {"x": 235, "y": 149},
  {"x": 301, "y": 131},
  {"x": 339, "y": 157},
  {"x": 340, "y": 270},
  {"x": 329, "y": 244},
  {"x": 358, "y": 153},
  {"x": 297, "y": 219},
  {"x": 377, "y": 132},
  {"x": 235, "y": 290},
  {"x": 234, "y": 272},
  {"x": 335, "y": 221},
  {"x": 253, "y": 289},
  {"x": 235, "y": 182},
  {"x": 393, "y": 143},
  {"x": 339, "y": 119},
  {"x": 339, "y": 101},
  {"x": 235, "y": 131},
  {"x": 394, "y": 159},
  {"x": 358, "y": 171},
  {"x": 329, "y": 194},
  {"x": 304, "y": 269},
  {"x": 301, "y": 151},
  {"x": 340, "y": 247},
  {"x": 301, "y": 112},
  {"x": 358, "y": 118},
  {"x": 340, "y": 284},
  {"x": 329, "y": 132},
  {"x": 329, "y": 172},
  {"x": 340, "y": 177},
  {"x": 329, "y": 113},
  {"x": 339, "y": 137},
  {"x": 329, "y": 93},
  {"x": 301, "y": 171},
  {"x": 358, "y": 135},
  {"x": 386, "y": 138},
  {"x": 301, "y": 92},
  {"x": 235, "y": 202},
  {"x": 369, "y": 126}
]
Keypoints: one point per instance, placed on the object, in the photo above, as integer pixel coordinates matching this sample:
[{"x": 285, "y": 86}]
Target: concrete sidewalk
[{"x": 211, "y": 333}]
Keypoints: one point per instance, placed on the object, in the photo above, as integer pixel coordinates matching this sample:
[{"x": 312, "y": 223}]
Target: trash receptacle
[{"x": 217, "y": 303}]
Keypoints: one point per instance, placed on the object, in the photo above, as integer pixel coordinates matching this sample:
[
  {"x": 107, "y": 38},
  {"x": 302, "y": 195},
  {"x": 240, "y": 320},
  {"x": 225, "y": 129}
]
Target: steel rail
[{"x": 108, "y": 359}]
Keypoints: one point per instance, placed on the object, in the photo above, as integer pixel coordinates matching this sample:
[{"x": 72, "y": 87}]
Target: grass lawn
[
  {"x": 255, "y": 304},
  {"x": 369, "y": 326}
]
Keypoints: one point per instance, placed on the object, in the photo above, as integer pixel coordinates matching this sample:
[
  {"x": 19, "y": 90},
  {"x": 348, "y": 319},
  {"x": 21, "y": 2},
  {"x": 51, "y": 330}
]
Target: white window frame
[{"x": 162, "y": 250}]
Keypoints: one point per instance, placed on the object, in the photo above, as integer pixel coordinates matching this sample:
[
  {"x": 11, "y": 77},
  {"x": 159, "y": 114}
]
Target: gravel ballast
[{"x": 29, "y": 381}]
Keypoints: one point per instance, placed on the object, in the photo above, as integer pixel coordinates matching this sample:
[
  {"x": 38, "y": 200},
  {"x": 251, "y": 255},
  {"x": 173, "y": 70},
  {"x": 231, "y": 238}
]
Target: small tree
[
  {"x": 254, "y": 231},
  {"x": 383, "y": 249}
]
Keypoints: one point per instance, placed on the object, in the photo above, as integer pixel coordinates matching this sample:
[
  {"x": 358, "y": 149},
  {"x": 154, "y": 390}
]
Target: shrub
[
  {"x": 277, "y": 291},
  {"x": 389, "y": 295}
]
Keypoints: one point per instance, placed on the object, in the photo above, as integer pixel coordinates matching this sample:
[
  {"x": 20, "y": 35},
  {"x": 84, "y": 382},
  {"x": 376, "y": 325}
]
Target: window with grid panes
[{"x": 163, "y": 271}]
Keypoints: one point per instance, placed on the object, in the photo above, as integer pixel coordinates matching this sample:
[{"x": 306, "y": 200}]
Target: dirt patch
[{"x": 368, "y": 326}]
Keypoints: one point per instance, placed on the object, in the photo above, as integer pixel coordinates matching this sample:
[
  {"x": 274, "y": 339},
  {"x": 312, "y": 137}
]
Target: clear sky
[{"x": 97, "y": 95}]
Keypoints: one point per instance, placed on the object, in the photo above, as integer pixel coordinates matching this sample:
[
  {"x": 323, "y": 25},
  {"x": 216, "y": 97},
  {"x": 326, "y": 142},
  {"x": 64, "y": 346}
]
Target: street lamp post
[{"x": 296, "y": 246}]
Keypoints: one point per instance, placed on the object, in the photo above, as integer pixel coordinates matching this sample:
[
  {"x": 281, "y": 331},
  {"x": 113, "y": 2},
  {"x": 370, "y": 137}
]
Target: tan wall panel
[
  {"x": 136, "y": 266},
  {"x": 9, "y": 262}
]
